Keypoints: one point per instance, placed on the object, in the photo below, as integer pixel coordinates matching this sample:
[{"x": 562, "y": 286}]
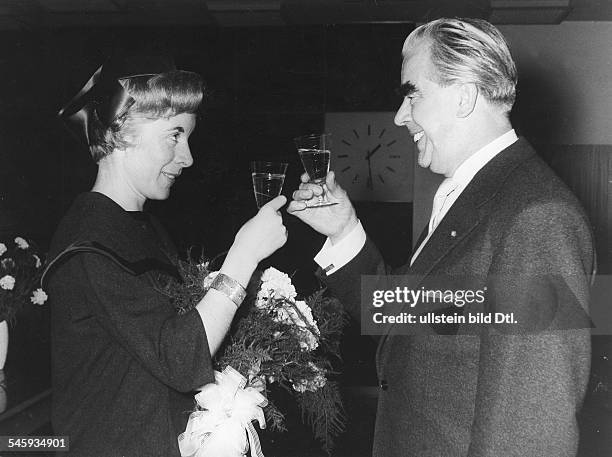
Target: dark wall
[{"x": 268, "y": 85}]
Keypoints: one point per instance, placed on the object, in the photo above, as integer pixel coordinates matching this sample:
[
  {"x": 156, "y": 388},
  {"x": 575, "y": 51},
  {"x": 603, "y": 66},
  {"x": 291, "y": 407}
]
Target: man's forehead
[
  {"x": 411, "y": 69},
  {"x": 415, "y": 64}
]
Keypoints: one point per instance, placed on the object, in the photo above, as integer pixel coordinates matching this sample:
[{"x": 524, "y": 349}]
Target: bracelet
[{"x": 230, "y": 288}]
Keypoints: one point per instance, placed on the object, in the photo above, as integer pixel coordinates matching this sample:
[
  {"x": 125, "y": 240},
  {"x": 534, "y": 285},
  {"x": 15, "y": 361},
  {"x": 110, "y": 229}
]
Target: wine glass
[
  {"x": 268, "y": 179},
  {"x": 314, "y": 150}
]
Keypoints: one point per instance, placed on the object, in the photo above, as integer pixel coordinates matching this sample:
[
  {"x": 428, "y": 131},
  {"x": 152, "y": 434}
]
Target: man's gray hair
[{"x": 468, "y": 51}]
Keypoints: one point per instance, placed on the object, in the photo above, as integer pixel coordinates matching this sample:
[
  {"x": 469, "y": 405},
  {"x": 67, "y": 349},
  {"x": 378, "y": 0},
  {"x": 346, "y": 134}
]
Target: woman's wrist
[
  {"x": 231, "y": 288},
  {"x": 238, "y": 266}
]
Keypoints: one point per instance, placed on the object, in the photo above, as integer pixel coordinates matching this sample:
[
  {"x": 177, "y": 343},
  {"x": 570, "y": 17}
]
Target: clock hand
[
  {"x": 371, "y": 153},
  {"x": 369, "y": 182}
]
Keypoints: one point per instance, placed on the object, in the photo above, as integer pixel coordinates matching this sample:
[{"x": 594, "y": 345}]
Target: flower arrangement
[
  {"x": 276, "y": 343},
  {"x": 20, "y": 269}
]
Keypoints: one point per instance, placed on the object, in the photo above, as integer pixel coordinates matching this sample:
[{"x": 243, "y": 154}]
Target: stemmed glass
[
  {"x": 268, "y": 179},
  {"x": 315, "y": 151}
]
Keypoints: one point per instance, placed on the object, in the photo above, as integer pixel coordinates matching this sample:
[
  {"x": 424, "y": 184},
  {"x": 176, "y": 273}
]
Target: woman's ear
[{"x": 468, "y": 96}]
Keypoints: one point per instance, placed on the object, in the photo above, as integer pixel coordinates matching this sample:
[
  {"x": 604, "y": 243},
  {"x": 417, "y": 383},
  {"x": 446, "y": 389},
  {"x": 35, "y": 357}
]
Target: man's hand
[{"x": 334, "y": 221}]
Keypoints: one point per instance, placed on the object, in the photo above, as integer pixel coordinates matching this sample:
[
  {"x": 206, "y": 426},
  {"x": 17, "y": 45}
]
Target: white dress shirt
[{"x": 331, "y": 257}]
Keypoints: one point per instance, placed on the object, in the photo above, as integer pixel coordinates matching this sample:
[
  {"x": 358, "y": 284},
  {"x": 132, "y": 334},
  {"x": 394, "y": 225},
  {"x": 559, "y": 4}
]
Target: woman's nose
[{"x": 184, "y": 157}]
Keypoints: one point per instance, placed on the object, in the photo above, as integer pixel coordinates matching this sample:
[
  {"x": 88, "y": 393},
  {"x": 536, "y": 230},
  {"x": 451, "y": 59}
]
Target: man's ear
[{"x": 468, "y": 95}]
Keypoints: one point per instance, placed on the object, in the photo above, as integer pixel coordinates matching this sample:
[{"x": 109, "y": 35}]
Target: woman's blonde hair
[{"x": 151, "y": 97}]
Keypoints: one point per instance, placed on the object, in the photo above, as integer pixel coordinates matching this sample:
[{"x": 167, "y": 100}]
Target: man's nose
[{"x": 403, "y": 115}]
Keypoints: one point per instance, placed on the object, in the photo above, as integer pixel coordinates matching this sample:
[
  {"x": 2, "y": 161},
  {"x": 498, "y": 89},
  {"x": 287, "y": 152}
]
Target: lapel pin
[{"x": 453, "y": 233}]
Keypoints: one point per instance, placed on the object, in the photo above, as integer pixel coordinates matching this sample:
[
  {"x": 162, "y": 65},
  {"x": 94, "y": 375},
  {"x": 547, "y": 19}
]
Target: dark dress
[{"x": 123, "y": 361}]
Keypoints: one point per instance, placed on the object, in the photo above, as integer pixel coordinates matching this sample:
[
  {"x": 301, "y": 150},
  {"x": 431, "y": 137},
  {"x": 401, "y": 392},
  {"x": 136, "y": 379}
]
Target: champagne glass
[
  {"x": 314, "y": 151},
  {"x": 268, "y": 179}
]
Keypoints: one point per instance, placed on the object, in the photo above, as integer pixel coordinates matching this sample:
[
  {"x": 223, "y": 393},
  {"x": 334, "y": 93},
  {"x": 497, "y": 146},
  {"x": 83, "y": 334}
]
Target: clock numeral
[
  {"x": 342, "y": 156},
  {"x": 390, "y": 169},
  {"x": 381, "y": 179},
  {"x": 391, "y": 143},
  {"x": 395, "y": 156},
  {"x": 355, "y": 178},
  {"x": 355, "y": 132},
  {"x": 369, "y": 129},
  {"x": 347, "y": 143},
  {"x": 345, "y": 169},
  {"x": 382, "y": 132}
]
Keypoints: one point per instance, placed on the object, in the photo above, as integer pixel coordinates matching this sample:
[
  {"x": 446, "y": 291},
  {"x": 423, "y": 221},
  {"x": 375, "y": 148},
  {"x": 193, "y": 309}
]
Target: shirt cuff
[{"x": 332, "y": 257}]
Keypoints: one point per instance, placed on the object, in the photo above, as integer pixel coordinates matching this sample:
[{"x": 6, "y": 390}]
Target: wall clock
[{"x": 373, "y": 158}]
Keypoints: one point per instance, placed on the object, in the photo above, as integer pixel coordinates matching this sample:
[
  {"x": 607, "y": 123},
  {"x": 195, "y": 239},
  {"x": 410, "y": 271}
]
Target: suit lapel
[
  {"x": 470, "y": 208},
  {"x": 463, "y": 217},
  {"x": 458, "y": 222}
]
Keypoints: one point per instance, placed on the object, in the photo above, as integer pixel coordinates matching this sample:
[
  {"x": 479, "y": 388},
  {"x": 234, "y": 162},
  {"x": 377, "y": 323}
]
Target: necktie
[{"x": 447, "y": 187}]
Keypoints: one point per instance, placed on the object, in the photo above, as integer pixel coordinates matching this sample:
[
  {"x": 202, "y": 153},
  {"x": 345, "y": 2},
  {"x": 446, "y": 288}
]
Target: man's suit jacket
[{"x": 519, "y": 231}]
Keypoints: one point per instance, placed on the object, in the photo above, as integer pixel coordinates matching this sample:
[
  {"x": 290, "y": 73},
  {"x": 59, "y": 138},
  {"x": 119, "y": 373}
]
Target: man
[{"x": 502, "y": 219}]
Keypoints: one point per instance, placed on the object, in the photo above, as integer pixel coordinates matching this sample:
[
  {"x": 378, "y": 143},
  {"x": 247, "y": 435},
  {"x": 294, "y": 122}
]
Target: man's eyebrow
[
  {"x": 406, "y": 89},
  {"x": 178, "y": 129}
]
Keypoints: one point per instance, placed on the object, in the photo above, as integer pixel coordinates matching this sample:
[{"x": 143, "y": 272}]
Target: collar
[{"x": 472, "y": 165}]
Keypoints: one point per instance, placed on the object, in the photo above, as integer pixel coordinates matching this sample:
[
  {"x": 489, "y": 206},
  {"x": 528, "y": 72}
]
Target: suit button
[{"x": 383, "y": 385}]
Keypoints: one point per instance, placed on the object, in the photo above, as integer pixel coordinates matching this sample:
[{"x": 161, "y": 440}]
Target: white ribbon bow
[{"x": 219, "y": 431}]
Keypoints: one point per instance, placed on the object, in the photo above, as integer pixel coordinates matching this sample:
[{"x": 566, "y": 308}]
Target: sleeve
[
  {"x": 332, "y": 257},
  {"x": 532, "y": 379},
  {"x": 173, "y": 348},
  {"x": 345, "y": 283}
]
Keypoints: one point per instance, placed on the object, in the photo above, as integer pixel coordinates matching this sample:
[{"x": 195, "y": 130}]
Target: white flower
[
  {"x": 2, "y": 248},
  {"x": 308, "y": 330},
  {"x": 39, "y": 297},
  {"x": 272, "y": 274},
  {"x": 263, "y": 300},
  {"x": 274, "y": 284},
  {"x": 209, "y": 279},
  {"x": 7, "y": 282},
  {"x": 38, "y": 262},
  {"x": 307, "y": 313},
  {"x": 21, "y": 243},
  {"x": 315, "y": 383},
  {"x": 308, "y": 341}
]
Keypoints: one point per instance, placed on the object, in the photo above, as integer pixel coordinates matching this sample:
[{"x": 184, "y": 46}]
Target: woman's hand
[
  {"x": 257, "y": 239},
  {"x": 260, "y": 236}
]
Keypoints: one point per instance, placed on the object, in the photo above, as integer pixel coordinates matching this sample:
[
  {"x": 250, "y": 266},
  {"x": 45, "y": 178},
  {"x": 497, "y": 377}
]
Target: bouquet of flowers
[
  {"x": 20, "y": 269},
  {"x": 276, "y": 342}
]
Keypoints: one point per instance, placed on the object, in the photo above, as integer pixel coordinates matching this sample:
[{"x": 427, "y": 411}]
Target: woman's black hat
[{"x": 104, "y": 95}]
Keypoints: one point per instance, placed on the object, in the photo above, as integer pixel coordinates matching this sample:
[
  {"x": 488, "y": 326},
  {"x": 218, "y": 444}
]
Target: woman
[{"x": 121, "y": 356}]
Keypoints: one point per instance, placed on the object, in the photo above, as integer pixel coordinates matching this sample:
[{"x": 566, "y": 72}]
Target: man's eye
[{"x": 175, "y": 137}]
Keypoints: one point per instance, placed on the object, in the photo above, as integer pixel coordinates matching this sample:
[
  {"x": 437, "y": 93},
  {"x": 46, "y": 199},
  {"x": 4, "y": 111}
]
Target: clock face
[{"x": 373, "y": 158}]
